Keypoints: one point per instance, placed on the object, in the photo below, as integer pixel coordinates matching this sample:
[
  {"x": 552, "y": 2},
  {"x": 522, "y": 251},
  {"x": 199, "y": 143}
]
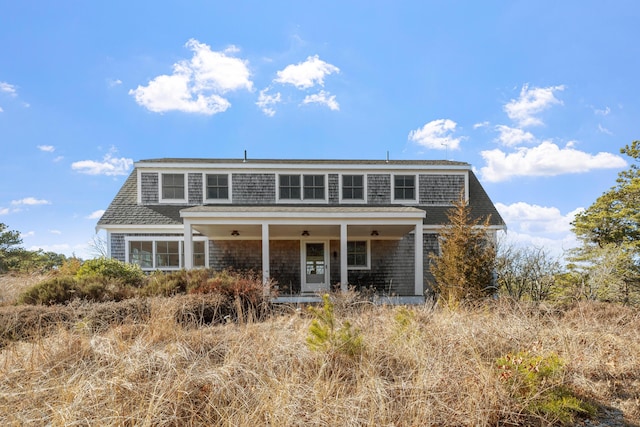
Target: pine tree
[{"x": 464, "y": 268}]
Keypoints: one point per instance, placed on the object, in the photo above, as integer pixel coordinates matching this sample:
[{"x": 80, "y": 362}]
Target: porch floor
[{"x": 379, "y": 300}]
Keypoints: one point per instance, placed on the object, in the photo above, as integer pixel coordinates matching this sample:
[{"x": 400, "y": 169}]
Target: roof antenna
[
  {"x": 387, "y": 156},
  {"x": 245, "y": 157}
]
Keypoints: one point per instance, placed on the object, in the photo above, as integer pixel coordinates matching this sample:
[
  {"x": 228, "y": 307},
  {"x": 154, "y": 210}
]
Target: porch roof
[{"x": 294, "y": 222}]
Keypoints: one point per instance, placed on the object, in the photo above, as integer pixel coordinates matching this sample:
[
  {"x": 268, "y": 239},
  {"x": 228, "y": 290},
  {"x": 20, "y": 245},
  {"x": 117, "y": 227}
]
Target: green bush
[
  {"x": 326, "y": 336},
  {"x": 127, "y": 274},
  {"x": 537, "y": 383},
  {"x": 56, "y": 290}
]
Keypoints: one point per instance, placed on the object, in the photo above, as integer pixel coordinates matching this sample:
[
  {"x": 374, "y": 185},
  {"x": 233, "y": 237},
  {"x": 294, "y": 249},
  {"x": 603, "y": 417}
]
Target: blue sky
[{"x": 538, "y": 96}]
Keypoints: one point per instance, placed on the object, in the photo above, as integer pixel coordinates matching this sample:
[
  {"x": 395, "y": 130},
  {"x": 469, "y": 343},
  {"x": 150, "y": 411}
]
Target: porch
[{"x": 311, "y": 250}]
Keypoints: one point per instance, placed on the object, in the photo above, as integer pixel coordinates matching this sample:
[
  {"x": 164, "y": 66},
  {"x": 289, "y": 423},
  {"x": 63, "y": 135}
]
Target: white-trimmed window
[
  {"x": 405, "y": 188},
  {"x": 358, "y": 255},
  {"x": 353, "y": 188},
  {"x": 217, "y": 187},
  {"x": 172, "y": 187},
  {"x": 307, "y": 187},
  {"x": 158, "y": 253}
]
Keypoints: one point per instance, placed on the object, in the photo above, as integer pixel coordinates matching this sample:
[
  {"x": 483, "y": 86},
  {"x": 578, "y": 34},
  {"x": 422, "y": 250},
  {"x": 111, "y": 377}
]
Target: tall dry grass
[{"x": 419, "y": 367}]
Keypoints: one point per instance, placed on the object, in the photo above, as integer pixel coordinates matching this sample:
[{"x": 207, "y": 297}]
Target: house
[{"x": 310, "y": 225}]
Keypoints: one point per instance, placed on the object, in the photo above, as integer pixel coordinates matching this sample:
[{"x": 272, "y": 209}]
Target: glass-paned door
[{"x": 316, "y": 269}]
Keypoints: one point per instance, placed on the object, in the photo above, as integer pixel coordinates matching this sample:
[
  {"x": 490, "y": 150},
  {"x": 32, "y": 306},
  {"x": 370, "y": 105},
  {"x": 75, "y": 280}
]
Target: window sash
[
  {"x": 357, "y": 254},
  {"x": 404, "y": 187},
  {"x": 290, "y": 187},
  {"x": 217, "y": 186},
  {"x": 173, "y": 186},
  {"x": 313, "y": 187},
  {"x": 353, "y": 187}
]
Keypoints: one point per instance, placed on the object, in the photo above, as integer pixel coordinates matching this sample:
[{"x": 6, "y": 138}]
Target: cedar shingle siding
[{"x": 253, "y": 192}]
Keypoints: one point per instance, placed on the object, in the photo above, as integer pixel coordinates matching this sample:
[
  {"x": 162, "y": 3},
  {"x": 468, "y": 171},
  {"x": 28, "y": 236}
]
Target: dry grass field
[{"x": 141, "y": 363}]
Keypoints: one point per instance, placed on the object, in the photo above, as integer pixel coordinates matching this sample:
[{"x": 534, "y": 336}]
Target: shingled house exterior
[{"x": 310, "y": 225}]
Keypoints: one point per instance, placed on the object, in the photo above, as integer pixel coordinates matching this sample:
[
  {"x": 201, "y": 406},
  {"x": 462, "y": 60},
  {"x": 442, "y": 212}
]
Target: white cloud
[
  {"x": 306, "y": 74},
  {"x": 30, "y": 201},
  {"x": 481, "y": 125},
  {"x": 323, "y": 98},
  {"x": 47, "y": 148},
  {"x": 436, "y": 135},
  {"x": 95, "y": 214},
  {"x": 546, "y": 159},
  {"x": 114, "y": 82},
  {"x": 539, "y": 226},
  {"x": 267, "y": 101},
  {"x": 55, "y": 232},
  {"x": 28, "y": 234},
  {"x": 4, "y": 211},
  {"x": 110, "y": 166},
  {"x": 511, "y": 137},
  {"x": 57, "y": 159},
  {"x": 604, "y": 129},
  {"x": 8, "y": 88},
  {"x": 196, "y": 86},
  {"x": 1, "y": 110},
  {"x": 531, "y": 102},
  {"x": 604, "y": 112}
]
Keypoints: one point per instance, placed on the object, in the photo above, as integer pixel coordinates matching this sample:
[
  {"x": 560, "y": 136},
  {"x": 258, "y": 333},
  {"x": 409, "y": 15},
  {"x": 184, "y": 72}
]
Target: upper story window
[
  {"x": 217, "y": 187},
  {"x": 172, "y": 186},
  {"x": 353, "y": 187},
  {"x": 302, "y": 187},
  {"x": 313, "y": 187},
  {"x": 290, "y": 187},
  {"x": 404, "y": 187}
]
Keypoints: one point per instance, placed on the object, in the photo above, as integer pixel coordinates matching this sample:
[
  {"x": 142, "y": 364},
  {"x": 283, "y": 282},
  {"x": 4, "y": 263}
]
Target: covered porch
[{"x": 319, "y": 247}]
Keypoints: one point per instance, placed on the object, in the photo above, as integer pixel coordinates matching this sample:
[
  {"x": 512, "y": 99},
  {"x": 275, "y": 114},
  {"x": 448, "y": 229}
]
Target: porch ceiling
[{"x": 295, "y": 231}]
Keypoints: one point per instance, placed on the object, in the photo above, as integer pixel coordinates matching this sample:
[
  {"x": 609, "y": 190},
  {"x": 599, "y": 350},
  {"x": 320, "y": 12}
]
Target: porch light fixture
[
  {"x": 374, "y": 232},
  {"x": 235, "y": 233},
  {"x": 305, "y": 233}
]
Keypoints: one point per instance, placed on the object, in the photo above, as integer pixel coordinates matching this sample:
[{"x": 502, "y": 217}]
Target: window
[
  {"x": 168, "y": 254},
  {"x": 141, "y": 253},
  {"x": 313, "y": 187},
  {"x": 358, "y": 254},
  {"x": 353, "y": 187},
  {"x": 199, "y": 259},
  {"x": 173, "y": 186},
  {"x": 217, "y": 187},
  {"x": 404, "y": 187},
  {"x": 290, "y": 187},
  {"x": 164, "y": 254}
]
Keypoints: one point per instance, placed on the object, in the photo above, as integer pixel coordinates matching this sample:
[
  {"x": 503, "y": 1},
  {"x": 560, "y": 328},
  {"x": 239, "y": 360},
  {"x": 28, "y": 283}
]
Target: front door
[{"x": 315, "y": 274}]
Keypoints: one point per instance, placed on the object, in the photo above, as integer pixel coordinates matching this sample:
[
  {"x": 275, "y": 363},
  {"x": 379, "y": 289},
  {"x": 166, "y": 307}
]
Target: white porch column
[
  {"x": 188, "y": 245},
  {"x": 344, "y": 272},
  {"x": 265, "y": 255},
  {"x": 419, "y": 260}
]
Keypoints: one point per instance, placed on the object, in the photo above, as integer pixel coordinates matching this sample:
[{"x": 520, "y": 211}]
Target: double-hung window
[
  {"x": 404, "y": 187},
  {"x": 358, "y": 254},
  {"x": 353, "y": 187},
  {"x": 217, "y": 187},
  {"x": 290, "y": 187},
  {"x": 172, "y": 186},
  {"x": 302, "y": 187},
  {"x": 313, "y": 187}
]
